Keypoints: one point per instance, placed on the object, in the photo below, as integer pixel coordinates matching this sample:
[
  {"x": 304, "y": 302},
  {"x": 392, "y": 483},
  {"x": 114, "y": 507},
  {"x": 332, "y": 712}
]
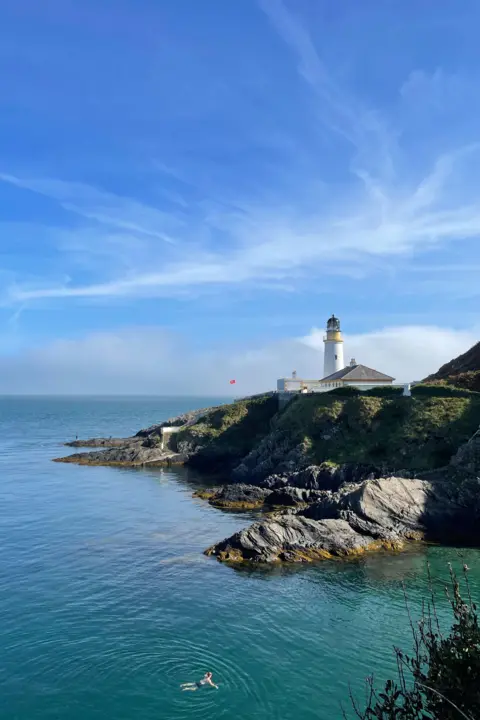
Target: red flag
[{"x": 232, "y": 382}]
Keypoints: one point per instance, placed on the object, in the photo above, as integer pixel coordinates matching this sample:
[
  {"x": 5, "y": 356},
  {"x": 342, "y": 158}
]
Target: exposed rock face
[
  {"x": 293, "y": 538},
  {"x": 326, "y": 476},
  {"x": 468, "y": 455},
  {"x": 463, "y": 371},
  {"x": 239, "y": 497},
  {"x": 365, "y": 516},
  {"x": 100, "y": 442},
  {"x": 290, "y": 496},
  {"x": 274, "y": 454},
  {"x": 213, "y": 439},
  {"x": 132, "y": 454}
]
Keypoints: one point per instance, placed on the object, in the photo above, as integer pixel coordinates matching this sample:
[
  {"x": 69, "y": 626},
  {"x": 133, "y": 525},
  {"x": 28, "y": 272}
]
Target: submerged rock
[{"x": 206, "y": 493}]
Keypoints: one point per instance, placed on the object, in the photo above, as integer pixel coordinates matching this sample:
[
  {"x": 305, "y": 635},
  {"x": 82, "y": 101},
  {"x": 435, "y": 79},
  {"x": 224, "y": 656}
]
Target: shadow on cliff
[
  {"x": 226, "y": 451},
  {"x": 457, "y": 486}
]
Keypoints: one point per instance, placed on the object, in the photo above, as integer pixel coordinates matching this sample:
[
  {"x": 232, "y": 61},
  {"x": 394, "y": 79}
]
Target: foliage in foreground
[{"x": 440, "y": 679}]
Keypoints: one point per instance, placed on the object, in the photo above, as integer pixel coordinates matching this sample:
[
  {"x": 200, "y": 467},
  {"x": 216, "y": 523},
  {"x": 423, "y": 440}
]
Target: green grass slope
[{"x": 418, "y": 433}]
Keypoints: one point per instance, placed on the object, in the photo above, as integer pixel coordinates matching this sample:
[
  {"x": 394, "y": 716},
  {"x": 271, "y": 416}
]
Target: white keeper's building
[{"x": 335, "y": 373}]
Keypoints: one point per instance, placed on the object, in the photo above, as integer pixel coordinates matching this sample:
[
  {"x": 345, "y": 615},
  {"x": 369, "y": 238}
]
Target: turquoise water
[{"x": 107, "y": 603}]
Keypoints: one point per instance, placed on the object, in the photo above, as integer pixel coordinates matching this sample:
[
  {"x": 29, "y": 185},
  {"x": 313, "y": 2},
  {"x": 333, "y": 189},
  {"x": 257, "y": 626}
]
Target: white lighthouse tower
[{"x": 333, "y": 357}]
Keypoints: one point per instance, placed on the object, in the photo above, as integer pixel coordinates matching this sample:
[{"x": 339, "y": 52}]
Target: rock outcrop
[
  {"x": 291, "y": 497},
  {"x": 213, "y": 439},
  {"x": 293, "y": 538},
  {"x": 468, "y": 455},
  {"x": 367, "y": 516},
  {"x": 317, "y": 442},
  {"x": 132, "y": 454},
  {"x": 101, "y": 442},
  {"x": 239, "y": 497},
  {"x": 463, "y": 371}
]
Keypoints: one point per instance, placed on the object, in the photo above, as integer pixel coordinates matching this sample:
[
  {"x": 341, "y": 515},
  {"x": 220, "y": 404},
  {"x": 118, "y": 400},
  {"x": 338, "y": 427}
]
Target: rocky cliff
[
  {"x": 337, "y": 474},
  {"x": 214, "y": 439},
  {"x": 463, "y": 371},
  {"x": 353, "y": 437},
  {"x": 349, "y": 436}
]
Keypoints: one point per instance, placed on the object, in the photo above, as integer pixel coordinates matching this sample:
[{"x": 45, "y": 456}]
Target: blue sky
[{"x": 210, "y": 180}]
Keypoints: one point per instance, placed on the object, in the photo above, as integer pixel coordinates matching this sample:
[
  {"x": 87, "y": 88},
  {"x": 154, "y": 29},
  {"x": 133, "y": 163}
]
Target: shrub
[
  {"x": 346, "y": 391},
  {"x": 439, "y": 680},
  {"x": 384, "y": 391},
  {"x": 441, "y": 391}
]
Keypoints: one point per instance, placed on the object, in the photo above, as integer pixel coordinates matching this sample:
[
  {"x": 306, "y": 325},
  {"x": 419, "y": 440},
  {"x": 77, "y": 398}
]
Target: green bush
[
  {"x": 345, "y": 391},
  {"x": 384, "y": 391},
  {"x": 440, "y": 679},
  {"x": 441, "y": 391},
  {"x": 399, "y": 433}
]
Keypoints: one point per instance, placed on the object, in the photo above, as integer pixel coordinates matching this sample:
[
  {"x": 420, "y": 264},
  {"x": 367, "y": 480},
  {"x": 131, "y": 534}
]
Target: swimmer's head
[{"x": 208, "y": 674}]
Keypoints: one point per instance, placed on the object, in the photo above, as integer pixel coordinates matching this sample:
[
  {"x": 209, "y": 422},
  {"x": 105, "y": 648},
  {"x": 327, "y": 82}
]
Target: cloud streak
[
  {"x": 387, "y": 206},
  {"x": 268, "y": 244},
  {"x": 104, "y": 207},
  {"x": 340, "y": 111}
]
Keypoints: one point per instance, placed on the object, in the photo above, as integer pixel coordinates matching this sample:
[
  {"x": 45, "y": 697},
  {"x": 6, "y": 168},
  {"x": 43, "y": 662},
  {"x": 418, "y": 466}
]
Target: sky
[{"x": 188, "y": 190}]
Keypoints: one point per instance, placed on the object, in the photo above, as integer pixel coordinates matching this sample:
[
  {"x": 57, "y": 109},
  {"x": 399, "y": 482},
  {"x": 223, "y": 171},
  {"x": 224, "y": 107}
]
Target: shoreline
[{"x": 314, "y": 508}]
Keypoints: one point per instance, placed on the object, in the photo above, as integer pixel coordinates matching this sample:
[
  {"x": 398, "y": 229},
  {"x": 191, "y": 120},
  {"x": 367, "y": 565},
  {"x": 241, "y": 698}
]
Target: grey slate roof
[{"x": 357, "y": 372}]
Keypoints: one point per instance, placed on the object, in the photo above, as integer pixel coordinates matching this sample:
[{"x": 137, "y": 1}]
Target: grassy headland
[
  {"x": 420, "y": 432},
  {"x": 381, "y": 428}
]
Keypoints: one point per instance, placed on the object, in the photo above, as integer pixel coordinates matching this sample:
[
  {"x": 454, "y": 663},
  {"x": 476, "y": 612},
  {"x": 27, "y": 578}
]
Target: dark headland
[{"x": 332, "y": 474}]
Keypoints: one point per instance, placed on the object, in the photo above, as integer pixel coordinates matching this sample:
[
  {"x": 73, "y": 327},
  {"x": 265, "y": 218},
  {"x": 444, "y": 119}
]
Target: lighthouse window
[{"x": 336, "y": 357}]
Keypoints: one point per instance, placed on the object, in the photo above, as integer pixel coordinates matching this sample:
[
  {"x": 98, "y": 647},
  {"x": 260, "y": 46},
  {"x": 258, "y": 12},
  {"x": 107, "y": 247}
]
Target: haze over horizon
[{"x": 188, "y": 190}]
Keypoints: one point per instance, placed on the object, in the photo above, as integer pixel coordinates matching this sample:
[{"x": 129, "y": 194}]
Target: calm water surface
[{"x": 107, "y": 603}]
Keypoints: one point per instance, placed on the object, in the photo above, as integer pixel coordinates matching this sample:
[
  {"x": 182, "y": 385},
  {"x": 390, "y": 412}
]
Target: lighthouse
[{"x": 333, "y": 357}]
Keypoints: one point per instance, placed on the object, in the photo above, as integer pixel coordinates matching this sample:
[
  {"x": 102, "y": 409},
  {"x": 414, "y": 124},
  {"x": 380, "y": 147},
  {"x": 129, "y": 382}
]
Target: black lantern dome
[{"x": 333, "y": 323}]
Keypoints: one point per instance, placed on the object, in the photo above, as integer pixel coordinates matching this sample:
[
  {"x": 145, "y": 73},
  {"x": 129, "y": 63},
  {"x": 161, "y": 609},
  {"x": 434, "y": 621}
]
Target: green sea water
[{"x": 107, "y": 603}]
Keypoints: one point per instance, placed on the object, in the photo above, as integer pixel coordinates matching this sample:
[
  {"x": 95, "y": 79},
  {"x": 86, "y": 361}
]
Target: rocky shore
[
  {"x": 375, "y": 514},
  {"x": 333, "y": 475}
]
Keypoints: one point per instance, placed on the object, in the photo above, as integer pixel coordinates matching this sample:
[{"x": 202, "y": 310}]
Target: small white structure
[
  {"x": 333, "y": 353},
  {"x": 166, "y": 432}
]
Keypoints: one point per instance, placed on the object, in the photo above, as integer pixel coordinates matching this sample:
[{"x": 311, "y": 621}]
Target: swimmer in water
[{"x": 206, "y": 680}]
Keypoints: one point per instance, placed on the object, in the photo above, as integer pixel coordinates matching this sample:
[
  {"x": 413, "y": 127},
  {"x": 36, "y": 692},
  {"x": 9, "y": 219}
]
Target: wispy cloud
[
  {"x": 388, "y": 206},
  {"x": 340, "y": 110},
  {"x": 268, "y": 243},
  {"x": 104, "y": 207}
]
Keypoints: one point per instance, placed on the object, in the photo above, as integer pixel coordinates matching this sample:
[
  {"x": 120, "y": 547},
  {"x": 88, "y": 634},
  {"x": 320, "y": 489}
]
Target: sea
[{"x": 107, "y": 603}]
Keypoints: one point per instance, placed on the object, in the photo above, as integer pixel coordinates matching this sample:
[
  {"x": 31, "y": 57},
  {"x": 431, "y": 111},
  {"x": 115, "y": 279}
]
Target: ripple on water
[
  {"x": 185, "y": 661},
  {"x": 107, "y": 603}
]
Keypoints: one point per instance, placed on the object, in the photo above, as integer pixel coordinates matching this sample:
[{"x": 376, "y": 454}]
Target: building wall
[
  {"x": 333, "y": 356},
  {"x": 166, "y": 433},
  {"x": 367, "y": 385},
  {"x": 292, "y": 385}
]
